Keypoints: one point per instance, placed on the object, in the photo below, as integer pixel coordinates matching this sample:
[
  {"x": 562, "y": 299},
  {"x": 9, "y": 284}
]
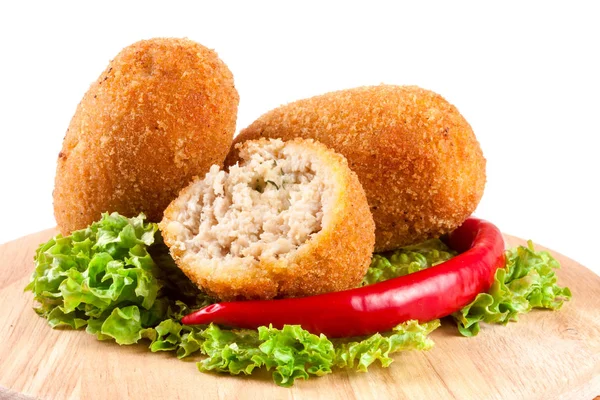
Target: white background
[{"x": 525, "y": 75}]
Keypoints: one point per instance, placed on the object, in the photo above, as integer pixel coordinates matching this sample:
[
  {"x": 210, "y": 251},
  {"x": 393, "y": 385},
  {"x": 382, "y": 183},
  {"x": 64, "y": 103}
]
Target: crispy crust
[
  {"x": 334, "y": 259},
  {"x": 163, "y": 111},
  {"x": 416, "y": 156}
]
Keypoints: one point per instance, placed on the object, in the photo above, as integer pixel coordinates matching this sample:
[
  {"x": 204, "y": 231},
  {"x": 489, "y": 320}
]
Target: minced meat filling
[{"x": 265, "y": 207}]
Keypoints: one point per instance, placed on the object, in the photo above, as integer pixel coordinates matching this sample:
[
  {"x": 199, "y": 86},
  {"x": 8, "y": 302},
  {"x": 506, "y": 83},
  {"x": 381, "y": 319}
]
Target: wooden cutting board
[{"x": 547, "y": 355}]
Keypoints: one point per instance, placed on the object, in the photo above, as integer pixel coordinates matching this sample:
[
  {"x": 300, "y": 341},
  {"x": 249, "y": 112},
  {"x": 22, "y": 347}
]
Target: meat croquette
[
  {"x": 288, "y": 219},
  {"x": 417, "y": 158},
  {"x": 162, "y": 112}
]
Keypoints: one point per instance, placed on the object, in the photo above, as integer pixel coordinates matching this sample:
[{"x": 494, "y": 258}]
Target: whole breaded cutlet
[{"x": 162, "y": 112}]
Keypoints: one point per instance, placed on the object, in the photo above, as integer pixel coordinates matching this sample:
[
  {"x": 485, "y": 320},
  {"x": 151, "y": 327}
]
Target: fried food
[
  {"x": 287, "y": 220},
  {"x": 162, "y": 112},
  {"x": 416, "y": 156}
]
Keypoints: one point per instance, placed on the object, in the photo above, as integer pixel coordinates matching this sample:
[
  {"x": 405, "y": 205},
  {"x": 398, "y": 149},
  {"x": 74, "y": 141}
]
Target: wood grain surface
[{"x": 546, "y": 355}]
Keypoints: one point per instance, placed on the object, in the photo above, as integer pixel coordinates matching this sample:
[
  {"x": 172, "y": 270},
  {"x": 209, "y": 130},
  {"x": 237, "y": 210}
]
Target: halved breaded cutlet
[{"x": 289, "y": 219}]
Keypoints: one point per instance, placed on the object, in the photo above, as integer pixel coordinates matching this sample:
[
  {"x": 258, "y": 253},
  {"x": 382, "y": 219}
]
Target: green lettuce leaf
[
  {"x": 409, "y": 335},
  {"x": 231, "y": 351},
  {"x": 125, "y": 326},
  {"x": 527, "y": 281},
  {"x": 191, "y": 342},
  {"x": 294, "y": 353},
  {"x": 407, "y": 260},
  {"x": 117, "y": 279},
  {"x": 95, "y": 270},
  {"x": 104, "y": 278},
  {"x": 58, "y": 317},
  {"x": 168, "y": 336}
]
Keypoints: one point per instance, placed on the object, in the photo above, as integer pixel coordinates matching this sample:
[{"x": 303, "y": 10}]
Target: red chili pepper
[{"x": 424, "y": 295}]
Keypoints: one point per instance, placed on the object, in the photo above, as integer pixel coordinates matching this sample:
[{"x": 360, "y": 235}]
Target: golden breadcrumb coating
[
  {"x": 334, "y": 257},
  {"x": 162, "y": 112},
  {"x": 416, "y": 156}
]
